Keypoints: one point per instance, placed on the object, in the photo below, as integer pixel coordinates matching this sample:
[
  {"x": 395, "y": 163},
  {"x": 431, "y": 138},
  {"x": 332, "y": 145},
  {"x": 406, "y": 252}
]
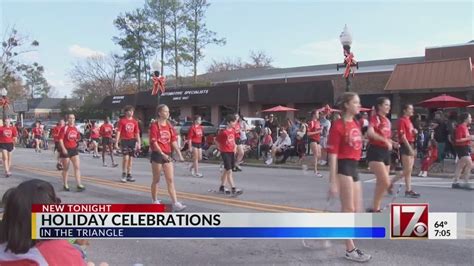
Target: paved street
[{"x": 266, "y": 190}]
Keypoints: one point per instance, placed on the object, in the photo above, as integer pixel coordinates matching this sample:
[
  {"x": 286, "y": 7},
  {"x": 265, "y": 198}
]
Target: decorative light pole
[
  {"x": 158, "y": 80},
  {"x": 4, "y": 102},
  {"x": 349, "y": 61}
]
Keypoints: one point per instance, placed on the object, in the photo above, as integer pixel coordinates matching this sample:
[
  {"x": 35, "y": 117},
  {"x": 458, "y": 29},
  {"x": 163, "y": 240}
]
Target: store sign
[{"x": 184, "y": 95}]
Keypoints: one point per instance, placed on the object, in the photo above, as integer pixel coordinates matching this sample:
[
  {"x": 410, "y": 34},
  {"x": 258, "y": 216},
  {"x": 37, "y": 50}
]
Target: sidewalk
[{"x": 449, "y": 166}]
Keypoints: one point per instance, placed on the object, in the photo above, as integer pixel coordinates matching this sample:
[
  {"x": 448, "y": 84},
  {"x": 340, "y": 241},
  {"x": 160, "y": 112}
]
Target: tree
[
  {"x": 158, "y": 12},
  {"x": 98, "y": 76},
  {"x": 259, "y": 60},
  {"x": 16, "y": 90},
  {"x": 199, "y": 35},
  {"x": 225, "y": 65},
  {"x": 13, "y": 45},
  {"x": 178, "y": 43},
  {"x": 134, "y": 28},
  {"x": 35, "y": 82}
]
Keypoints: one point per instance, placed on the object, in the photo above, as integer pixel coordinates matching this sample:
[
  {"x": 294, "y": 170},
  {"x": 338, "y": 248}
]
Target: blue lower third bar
[{"x": 215, "y": 232}]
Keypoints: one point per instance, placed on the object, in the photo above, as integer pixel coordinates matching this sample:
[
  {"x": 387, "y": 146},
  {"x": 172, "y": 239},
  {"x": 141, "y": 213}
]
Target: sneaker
[
  {"x": 238, "y": 168},
  {"x": 130, "y": 178},
  {"x": 357, "y": 255},
  {"x": 269, "y": 161},
  {"x": 318, "y": 175},
  {"x": 178, "y": 206},
  {"x": 412, "y": 194},
  {"x": 156, "y": 202},
  {"x": 114, "y": 165},
  {"x": 124, "y": 178},
  {"x": 424, "y": 174},
  {"x": 224, "y": 190},
  {"x": 456, "y": 185},
  {"x": 420, "y": 173},
  {"x": 372, "y": 210},
  {"x": 198, "y": 175},
  {"x": 237, "y": 191},
  {"x": 81, "y": 188},
  {"x": 322, "y": 162},
  {"x": 104, "y": 164},
  {"x": 66, "y": 188}
]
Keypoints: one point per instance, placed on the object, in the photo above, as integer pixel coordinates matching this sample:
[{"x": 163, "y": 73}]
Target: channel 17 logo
[{"x": 409, "y": 221}]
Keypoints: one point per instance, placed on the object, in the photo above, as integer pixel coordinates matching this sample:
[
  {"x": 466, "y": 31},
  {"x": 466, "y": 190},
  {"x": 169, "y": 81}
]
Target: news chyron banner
[{"x": 153, "y": 221}]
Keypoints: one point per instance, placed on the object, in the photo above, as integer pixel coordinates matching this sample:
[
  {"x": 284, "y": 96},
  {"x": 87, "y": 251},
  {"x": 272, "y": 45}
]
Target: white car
[{"x": 254, "y": 121}]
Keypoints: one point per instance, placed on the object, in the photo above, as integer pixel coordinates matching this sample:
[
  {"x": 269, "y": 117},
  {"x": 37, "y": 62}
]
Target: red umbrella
[
  {"x": 471, "y": 106},
  {"x": 444, "y": 101},
  {"x": 280, "y": 108},
  {"x": 327, "y": 109}
]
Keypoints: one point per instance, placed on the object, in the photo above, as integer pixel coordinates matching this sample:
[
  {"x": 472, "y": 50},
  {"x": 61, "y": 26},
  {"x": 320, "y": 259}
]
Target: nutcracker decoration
[
  {"x": 4, "y": 102},
  {"x": 349, "y": 60},
  {"x": 158, "y": 83}
]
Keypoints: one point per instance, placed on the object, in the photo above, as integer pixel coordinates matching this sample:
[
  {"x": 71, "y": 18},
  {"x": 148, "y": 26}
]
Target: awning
[
  {"x": 444, "y": 74},
  {"x": 117, "y": 102}
]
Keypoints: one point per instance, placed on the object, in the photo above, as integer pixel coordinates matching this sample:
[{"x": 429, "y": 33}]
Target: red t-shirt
[
  {"x": 37, "y": 131},
  {"x": 106, "y": 130},
  {"x": 55, "y": 133},
  {"x": 313, "y": 126},
  {"x": 237, "y": 130},
  {"x": 95, "y": 133},
  {"x": 163, "y": 135},
  {"x": 405, "y": 127},
  {"x": 128, "y": 128},
  {"x": 195, "y": 134},
  {"x": 383, "y": 127},
  {"x": 226, "y": 140},
  {"x": 70, "y": 136},
  {"x": 345, "y": 140},
  {"x": 462, "y": 132},
  {"x": 7, "y": 134}
]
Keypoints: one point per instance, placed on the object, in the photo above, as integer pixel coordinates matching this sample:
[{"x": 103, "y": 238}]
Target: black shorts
[
  {"x": 6, "y": 146},
  {"x": 404, "y": 149},
  {"x": 197, "y": 145},
  {"x": 229, "y": 160},
  {"x": 378, "y": 154},
  {"x": 463, "y": 151},
  {"x": 312, "y": 140},
  {"x": 128, "y": 146},
  {"x": 348, "y": 167},
  {"x": 157, "y": 157},
  {"x": 70, "y": 153},
  {"x": 106, "y": 141},
  {"x": 39, "y": 137},
  {"x": 97, "y": 140}
]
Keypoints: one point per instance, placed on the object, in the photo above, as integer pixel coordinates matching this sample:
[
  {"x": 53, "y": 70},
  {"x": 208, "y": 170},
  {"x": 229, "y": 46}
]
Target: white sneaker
[
  {"x": 322, "y": 162},
  {"x": 178, "y": 206},
  {"x": 357, "y": 255},
  {"x": 318, "y": 175},
  {"x": 156, "y": 202},
  {"x": 269, "y": 161},
  {"x": 424, "y": 174},
  {"x": 198, "y": 175},
  {"x": 420, "y": 173}
]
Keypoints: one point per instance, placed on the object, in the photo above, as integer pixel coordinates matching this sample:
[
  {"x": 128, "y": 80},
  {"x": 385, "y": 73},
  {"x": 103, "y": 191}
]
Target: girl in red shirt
[
  {"x": 8, "y": 135},
  {"x": 406, "y": 136},
  {"x": 95, "y": 139},
  {"x": 68, "y": 139},
  {"x": 55, "y": 132},
  {"x": 314, "y": 136},
  {"x": 195, "y": 136},
  {"x": 431, "y": 157},
  {"x": 226, "y": 144},
  {"x": 345, "y": 148},
  {"x": 38, "y": 136},
  {"x": 106, "y": 131},
  {"x": 163, "y": 140},
  {"x": 128, "y": 135},
  {"x": 462, "y": 143},
  {"x": 379, "y": 132}
]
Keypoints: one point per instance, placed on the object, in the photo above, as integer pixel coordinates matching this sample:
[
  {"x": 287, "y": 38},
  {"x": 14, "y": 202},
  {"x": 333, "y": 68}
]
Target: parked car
[
  {"x": 254, "y": 121},
  {"x": 207, "y": 127}
]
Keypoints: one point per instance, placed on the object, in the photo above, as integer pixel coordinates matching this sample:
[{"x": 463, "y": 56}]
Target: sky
[{"x": 293, "y": 33}]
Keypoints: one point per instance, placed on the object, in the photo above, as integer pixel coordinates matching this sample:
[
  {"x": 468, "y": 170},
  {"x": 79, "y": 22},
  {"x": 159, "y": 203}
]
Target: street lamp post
[{"x": 349, "y": 61}]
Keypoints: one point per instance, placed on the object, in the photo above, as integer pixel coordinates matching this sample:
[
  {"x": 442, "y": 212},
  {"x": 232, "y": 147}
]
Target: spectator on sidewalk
[
  {"x": 267, "y": 143},
  {"x": 440, "y": 134},
  {"x": 273, "y": 125},
  {"x": 281, "y": 145},
  {"x": 430, "y": 158}
]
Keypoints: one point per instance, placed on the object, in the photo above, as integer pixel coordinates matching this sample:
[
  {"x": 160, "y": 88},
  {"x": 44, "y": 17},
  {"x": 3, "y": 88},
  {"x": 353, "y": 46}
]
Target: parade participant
[
  {"x": 462, "y": 143},
  {"x": 162, "y": 142},
  {"x": 226, "y": 144},
  {"x": 430, "y": 158},
  {"x": 69, "y": 137},
  {"x": 195, "y": 136},
  {"x": 314, "y": 136},
  {"x": 106, "y": 131},
  {"x": 240, "y": 139},
  {"x": 55, "y": 132},
  {"x": 8, "y": 135},
  {"x": 344, "y": 148},
  {"x": 38, "y": 136},
  {"x": 95, "y": 139},
  {"x": 128, "y": 136},
  {"x": 379, "y": 151},
  {"x": 406, "y": 137}
]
